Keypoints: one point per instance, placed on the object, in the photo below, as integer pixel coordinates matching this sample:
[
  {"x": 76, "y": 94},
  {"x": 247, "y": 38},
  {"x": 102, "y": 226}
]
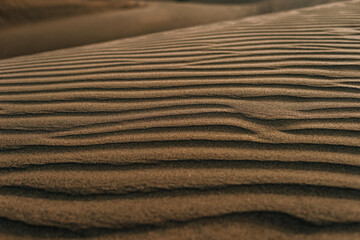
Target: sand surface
[
  {"x": 243, "y": 129},
  {"x": 151, "y": 16},
  {"x": 17, "y": 12}
]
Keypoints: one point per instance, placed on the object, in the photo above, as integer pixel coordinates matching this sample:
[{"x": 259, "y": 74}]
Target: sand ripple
[{"x": 247, "y": 128}]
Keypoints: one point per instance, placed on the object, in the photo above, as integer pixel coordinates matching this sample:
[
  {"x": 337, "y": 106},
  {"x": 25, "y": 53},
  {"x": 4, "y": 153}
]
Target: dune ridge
[{"x": 242, "y": 128}]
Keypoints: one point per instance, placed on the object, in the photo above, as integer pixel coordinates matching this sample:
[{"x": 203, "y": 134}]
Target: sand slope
[
  {"x": 247, "y": 128},
  {"x": 148, "y": 18}
]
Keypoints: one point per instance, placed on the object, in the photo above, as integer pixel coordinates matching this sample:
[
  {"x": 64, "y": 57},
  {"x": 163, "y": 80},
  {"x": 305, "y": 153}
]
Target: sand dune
[
  {"x": 244, "y": 128},
  {"x": 83, "y": 22},
  {"x": 14, "y": 12}
]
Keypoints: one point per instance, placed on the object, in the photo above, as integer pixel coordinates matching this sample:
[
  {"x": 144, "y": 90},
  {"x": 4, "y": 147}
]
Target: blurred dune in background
[
  {"x": 22, "y": 11},
  {"x": 30, "y": 26}
]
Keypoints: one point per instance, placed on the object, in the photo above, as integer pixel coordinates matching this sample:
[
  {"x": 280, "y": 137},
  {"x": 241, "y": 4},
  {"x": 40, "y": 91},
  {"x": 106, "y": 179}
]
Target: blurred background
[{"x": 31, "y": 26}]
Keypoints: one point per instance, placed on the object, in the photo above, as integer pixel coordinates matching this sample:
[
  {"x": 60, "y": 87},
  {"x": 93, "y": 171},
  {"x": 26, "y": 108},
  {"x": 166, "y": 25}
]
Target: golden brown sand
[
  {"x": 244, "y": 129},
  {"x": 104, "y": 21},
  {"x": 14, "y": 12}
]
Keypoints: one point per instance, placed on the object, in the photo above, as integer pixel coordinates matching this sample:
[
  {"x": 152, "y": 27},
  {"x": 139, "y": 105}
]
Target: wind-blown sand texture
[
  {"x": 148, "y": 17},
  {"x": 239, "y": 130}
]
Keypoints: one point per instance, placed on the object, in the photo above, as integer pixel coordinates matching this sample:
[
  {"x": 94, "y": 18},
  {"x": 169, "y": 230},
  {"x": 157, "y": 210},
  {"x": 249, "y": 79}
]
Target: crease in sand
[{"x": 187, "y": 131}]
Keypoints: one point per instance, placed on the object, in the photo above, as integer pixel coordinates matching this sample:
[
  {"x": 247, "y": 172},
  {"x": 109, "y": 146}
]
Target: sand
[
  {"x": 75, "y": 28},
  {"x": 17, "y": 12},
  {"x": 244, "y": 129}
]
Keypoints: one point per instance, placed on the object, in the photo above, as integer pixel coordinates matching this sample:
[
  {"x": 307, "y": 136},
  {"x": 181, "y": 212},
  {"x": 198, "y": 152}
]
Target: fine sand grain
[{"x": 245, "y": 129}]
